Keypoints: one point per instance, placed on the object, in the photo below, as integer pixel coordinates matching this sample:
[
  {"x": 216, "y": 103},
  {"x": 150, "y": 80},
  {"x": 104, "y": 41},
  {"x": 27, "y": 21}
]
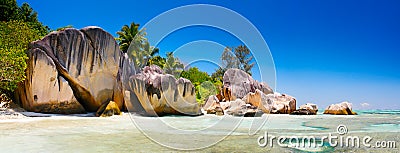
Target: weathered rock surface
[
  {"x": 211, "y": 104},
  {"x": 240, "y": 108},
  {"x": 309, "y": 106},
  {"x": 282, "y": 103},
  {"x": 236, "y": 108},
  {"x": 237, "y": 84},
  {"x": 254, "y": 105},
  {"x": 224, "y": 105},
  {"x": 72, "y": 71},
  {"x": 161, "y": 94},
  {"x": 343, "y": 108},
  {"x": 259, "y": 100}
]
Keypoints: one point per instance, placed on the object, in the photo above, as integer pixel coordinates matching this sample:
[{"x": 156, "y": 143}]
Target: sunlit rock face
[
  {"x": 260, "y": 100},
  {"x": 237, "y": 108},
  {"x": 237, "y": 83},
  {"x": 160, "y": 94},
  {"x": 211, "y": 105},
  {"x": 343, "y": 108},
  {"x": 72, "y": 71},
  {"x": 282, "y": 103}
]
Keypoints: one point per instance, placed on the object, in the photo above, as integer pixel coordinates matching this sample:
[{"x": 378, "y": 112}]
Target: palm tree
[
  {"x": 126, "y": 35},
  {"x": 133, "y": 42},
  {"x": 140, "y": 50},
  {"x": 173, "y": 65},
  {"x": 157, "y": 60}
]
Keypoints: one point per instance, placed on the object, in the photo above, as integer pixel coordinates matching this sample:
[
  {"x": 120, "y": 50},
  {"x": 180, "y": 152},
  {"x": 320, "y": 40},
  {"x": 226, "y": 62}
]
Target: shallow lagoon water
[{"x": 119, "y": 133}]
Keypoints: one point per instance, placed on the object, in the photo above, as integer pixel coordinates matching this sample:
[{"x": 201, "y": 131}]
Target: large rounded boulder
[
  {"x": 72, "y": 71},
  {"x": 343, "y": 108}
]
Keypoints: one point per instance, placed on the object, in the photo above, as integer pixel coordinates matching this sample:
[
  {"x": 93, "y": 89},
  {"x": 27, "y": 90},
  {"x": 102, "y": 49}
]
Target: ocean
[{"x": 207, "y": 133}]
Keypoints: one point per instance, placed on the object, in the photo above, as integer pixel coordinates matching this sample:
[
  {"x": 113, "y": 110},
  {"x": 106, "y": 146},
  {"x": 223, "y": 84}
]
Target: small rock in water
[
  {"x": 344, "y": 108},
  {"x": 110, "y": 109}
]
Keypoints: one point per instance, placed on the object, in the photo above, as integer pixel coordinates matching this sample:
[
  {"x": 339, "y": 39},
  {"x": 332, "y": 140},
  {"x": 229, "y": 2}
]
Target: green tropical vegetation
[
  {"x": 18, "y": 27},
  {"x": 24, "y": 13},
  {"x": 132, "y": 41},
  {"x": 195, "y": 76},
  {"x": 173, "y": 65},
  {"x": 202, "y": 82},
  {"x": 157, "y": 60},
  {"x": 126, "y": 35}
]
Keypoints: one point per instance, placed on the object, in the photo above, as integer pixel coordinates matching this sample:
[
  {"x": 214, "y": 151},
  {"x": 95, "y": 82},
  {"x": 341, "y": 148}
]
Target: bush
[
  {"x": 14, "y": 39},
  {"x": 204, "y": 90},
  {"x": 202, "y": 82}
]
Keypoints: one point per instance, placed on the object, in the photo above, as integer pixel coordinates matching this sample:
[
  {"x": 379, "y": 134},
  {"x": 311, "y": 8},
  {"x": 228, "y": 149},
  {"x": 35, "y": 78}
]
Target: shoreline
[{"x": 11, "y": 114}]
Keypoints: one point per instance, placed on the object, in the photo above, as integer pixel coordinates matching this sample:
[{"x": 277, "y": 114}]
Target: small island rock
[{"x": 344, "y": 108}]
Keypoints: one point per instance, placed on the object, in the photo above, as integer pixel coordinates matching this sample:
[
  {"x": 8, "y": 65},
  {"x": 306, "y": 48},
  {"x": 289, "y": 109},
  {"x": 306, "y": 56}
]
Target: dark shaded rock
[
  {"x": 237, "y": 84},
  {"x": 72, "y": 71},
  {"x": 161, "y": 94},
  {"x": 303, "y": 112},
  {"x": 344, "y": 108},
  {"x": 253, "y": 113}
]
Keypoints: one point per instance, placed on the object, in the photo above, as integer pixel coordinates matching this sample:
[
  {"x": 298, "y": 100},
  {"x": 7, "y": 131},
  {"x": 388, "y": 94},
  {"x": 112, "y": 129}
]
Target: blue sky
[{"x": 324, "y": 51}]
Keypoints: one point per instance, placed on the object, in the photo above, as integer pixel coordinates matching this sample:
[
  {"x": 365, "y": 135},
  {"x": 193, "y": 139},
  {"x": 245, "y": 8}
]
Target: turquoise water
[{"x": 119, "y": 133}]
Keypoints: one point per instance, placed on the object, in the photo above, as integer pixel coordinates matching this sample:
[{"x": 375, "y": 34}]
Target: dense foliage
[
  {"x": 195, "y": 76},
  {"x": 202, "y": 82},
  {"x": 157, "y": 60},
  {"x": 14, "y": 39},
  {"x": 18, "y": 27},
  {"x": 204, "y": 90},
  {"x": 126, "y": 35},
  {"x": 11, "y": 12}
]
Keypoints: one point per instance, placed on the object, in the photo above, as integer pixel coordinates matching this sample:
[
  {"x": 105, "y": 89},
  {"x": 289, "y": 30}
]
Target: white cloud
[{"x": 364, "y": 104}]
